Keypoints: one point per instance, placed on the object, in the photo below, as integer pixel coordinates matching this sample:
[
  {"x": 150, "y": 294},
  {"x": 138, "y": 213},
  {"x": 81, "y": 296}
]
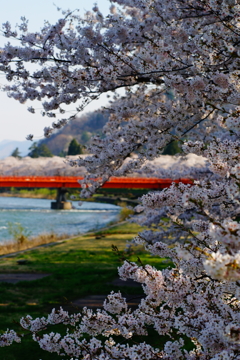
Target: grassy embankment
[
  {"x": 24, "y": 243},
  {"x": 78, "y": 267},
  {"x": 42, "y": 193}
]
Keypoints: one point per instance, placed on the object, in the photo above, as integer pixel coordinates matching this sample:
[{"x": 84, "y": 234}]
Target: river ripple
[{"x": 37, "y": 218}]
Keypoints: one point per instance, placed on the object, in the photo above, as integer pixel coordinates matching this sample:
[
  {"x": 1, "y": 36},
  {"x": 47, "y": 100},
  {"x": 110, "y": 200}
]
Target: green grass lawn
[{"x": 79, "y": 267}]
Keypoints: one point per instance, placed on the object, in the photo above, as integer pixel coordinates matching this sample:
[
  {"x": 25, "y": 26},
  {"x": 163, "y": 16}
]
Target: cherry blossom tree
[{"x": 178, "y": 65}]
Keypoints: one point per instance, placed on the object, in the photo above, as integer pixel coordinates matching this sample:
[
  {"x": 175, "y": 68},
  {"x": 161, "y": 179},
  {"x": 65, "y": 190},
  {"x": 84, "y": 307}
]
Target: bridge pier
[{"x": 61, "y": 202}]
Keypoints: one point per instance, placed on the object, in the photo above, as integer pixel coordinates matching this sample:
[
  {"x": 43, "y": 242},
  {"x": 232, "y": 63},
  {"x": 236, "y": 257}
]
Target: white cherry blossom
[{"x": 178, "y": 65}]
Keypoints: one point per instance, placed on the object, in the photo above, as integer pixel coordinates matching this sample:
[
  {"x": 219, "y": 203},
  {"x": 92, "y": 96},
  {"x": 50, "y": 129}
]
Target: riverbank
[
  {"x": 52, "y": 194},
  {"x": 24, "y": 243},
  {"x": 32, "y": 194},
  {"x": 13, "y": 248},
  {"x": 84, "y": 266}
]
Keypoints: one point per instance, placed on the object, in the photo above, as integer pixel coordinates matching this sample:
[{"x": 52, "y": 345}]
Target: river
[{"x": 37, "y": 218}]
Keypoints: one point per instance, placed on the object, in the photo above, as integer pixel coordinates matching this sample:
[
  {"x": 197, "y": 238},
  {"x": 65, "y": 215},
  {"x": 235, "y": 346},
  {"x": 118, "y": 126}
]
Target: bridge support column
[{"x": 61, "y": 202}]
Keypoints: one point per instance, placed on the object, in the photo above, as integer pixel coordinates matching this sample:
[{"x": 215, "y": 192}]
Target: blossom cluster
[{"x": 177, "y": 63}]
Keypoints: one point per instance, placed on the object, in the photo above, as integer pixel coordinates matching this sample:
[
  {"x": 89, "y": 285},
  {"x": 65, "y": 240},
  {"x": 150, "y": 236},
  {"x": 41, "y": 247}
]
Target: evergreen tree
[
  {"x": 62, "y": 153},
  {"x": 16, "y": 153},
  {"x": 39, "y": 151},
  {"x": 74, "y": 148},
  {"x": 172, "y": 149}
]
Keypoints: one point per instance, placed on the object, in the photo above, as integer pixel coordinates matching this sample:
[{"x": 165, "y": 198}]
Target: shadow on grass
[{"x": 78, "y": 268}]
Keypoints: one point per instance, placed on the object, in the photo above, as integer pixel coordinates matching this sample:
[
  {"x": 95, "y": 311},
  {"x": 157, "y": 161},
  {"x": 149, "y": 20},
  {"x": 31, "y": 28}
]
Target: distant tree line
[
  {"x": 73, "y": 138},
  {"x": 74, "y": 148}
]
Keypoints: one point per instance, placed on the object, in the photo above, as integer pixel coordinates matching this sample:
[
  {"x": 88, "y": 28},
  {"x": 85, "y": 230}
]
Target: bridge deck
[{"x": 72, "y": 182}]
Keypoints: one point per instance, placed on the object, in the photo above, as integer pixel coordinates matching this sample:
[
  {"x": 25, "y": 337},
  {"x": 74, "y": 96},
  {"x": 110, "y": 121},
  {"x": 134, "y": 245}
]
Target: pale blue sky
[{"x": 16, "y": 122}]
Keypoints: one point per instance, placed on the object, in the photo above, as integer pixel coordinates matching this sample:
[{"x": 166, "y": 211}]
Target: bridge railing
[{"x": 73, "y": 182}]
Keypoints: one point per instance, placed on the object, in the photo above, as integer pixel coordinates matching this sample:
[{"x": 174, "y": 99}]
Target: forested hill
[{"x": 81, "y": 129}]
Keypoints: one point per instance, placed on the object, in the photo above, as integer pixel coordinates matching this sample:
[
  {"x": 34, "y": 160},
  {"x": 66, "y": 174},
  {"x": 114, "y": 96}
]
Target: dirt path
[
  {"x": 96, "y": 301},
  {"x": 14, "y": 278},
  {"x": 92, "y": 301}
]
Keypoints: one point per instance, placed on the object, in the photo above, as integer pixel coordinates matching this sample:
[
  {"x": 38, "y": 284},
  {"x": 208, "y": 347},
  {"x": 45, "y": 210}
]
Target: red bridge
[
  {"x": 63, "y": 183},
  {"x": 72, "y": 182}
]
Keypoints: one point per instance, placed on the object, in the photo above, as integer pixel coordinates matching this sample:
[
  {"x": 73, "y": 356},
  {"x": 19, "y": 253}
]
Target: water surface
[{"x": 36, "y": 216}]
